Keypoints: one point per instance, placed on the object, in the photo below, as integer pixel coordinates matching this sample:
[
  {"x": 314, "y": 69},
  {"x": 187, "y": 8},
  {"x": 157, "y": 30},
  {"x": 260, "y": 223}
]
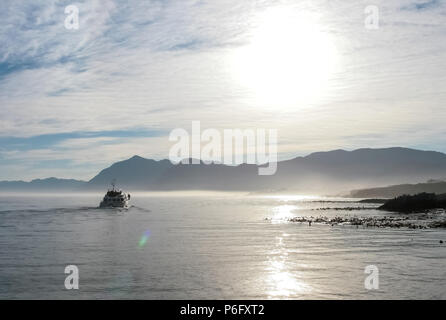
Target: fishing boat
[{"x": 115, "y": 198}]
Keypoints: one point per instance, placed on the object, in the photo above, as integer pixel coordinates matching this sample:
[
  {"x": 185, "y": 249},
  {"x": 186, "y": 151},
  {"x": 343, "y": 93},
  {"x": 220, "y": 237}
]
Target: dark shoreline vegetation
[{"x": 415, "y": 203}]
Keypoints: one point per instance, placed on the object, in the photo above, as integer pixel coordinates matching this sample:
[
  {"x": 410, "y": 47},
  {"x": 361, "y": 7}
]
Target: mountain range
[
  {"x": 49, "y": 184},
  {"x": 332, "y": 172}
]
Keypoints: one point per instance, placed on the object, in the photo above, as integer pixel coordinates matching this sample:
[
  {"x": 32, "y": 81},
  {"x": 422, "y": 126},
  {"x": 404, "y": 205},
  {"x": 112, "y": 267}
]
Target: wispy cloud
[
  {"x": 423, "y": 5},
  {"x": 51, "y": 140},
  {"x": 71, "y": 99}
]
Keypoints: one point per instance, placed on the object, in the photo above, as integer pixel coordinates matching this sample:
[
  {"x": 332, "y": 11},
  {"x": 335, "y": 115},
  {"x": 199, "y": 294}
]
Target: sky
[{"x": 75, "y": 101}]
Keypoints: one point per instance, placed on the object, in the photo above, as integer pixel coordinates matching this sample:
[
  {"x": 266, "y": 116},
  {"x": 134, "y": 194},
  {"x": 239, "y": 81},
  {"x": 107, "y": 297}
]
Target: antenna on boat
[{"x": 113, "y": 183}]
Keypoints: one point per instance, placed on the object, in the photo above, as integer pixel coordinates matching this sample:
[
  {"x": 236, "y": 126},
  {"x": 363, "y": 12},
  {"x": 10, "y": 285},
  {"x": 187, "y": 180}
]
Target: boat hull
[{"x": 106, "y": 204}]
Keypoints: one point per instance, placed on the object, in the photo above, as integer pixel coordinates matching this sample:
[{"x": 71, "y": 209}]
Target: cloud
[
  {"x": 72, "y": 101},
  {"x": 50, "y": 140},
  {"x": 423, "y": 5}
]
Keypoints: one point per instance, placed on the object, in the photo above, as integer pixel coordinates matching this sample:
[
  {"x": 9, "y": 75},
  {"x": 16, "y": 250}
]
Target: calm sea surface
[{"x": 209, "y": 247}]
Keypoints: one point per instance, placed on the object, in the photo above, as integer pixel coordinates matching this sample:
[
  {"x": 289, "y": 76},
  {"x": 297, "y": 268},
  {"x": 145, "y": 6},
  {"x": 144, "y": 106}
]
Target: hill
[
  {"x": 398, "y": 190},
  {"x": 330, "y": 172}
]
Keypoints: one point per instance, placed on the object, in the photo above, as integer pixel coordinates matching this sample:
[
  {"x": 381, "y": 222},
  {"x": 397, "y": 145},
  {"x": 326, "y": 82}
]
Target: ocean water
[{"x": 210, "y": 246}]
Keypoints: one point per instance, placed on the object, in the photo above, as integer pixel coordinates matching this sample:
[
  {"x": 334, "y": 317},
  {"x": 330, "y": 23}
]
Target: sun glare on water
[{"x": 289, "y": 59}]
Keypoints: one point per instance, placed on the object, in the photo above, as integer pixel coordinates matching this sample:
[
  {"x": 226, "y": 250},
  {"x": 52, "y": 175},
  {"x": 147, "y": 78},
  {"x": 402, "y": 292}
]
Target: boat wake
[
  {"x": 140, "y": 209},
  {"x": 51, "y": 210},
  {"x": 71, "y": 210}
]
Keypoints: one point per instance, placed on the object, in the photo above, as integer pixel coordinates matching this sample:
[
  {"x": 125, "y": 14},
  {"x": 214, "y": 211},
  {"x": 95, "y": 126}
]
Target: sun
[{"x": 288, "y": 59}]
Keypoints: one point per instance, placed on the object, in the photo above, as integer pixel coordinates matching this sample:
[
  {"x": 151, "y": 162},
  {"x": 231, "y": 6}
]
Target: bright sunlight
[{"x": 289, "y": 60}]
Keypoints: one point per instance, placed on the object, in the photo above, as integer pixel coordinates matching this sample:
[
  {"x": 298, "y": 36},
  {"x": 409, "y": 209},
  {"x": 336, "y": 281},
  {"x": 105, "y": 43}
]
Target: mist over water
[{"x": 209, "y": 246}]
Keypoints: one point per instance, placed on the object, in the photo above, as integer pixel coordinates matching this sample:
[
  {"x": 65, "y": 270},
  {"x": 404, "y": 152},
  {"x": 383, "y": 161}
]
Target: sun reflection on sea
[
  {"x": 282, "y": 281},
  {"x": 282, "y": 213}
]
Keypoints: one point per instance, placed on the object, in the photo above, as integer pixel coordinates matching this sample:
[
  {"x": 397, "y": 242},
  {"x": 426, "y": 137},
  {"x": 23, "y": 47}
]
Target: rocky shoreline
[
  {"x": 422, "y": 221},
  {"x": 436, "y": 219},
  {"x": 422, "y": 211}
]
